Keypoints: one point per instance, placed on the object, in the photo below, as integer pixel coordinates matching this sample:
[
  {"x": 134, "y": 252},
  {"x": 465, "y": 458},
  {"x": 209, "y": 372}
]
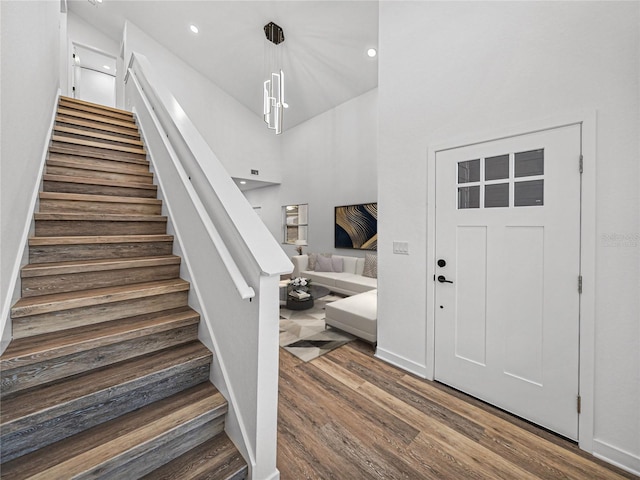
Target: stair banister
[{"x": 244, "y": 335}]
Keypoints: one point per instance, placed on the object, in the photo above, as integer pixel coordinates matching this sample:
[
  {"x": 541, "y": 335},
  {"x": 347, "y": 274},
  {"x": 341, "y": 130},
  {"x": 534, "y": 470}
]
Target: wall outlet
[
  {"x": 401, "y": 248},
  {"x": 254, "y": 172}
]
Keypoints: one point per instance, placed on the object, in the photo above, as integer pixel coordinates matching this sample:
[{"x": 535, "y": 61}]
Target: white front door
[{"x": 508, "y": 238}]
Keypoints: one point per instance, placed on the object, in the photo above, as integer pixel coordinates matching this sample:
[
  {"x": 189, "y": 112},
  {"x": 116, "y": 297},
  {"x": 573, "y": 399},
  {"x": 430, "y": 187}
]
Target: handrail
[{"x": 243, "y": 288}]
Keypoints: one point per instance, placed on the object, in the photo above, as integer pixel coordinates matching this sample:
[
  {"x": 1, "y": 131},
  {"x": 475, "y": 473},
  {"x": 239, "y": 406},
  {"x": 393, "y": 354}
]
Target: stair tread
[
  {"x": 77, "y": 101},
  {"x": 129, "y": 131},
  {"x": 95, "y": 109},
  {"x": 97, "y": 296},
  {"x": 48, "y": 177},
  {"x": 78, "y": 266},
  {"x": 96, "y": 135},
  {"x": 30, "y": 350},
  {"x": 88, "y": 449},
  {"x": 107, "y": 217},
  {"x": 87, "y": 197},
  {"x": 110, "y": 156},
  {"x": 62, "y": 110},
  {"x": 97, "y": 239},
  {"x": 89, "y": 143},
  {"x": 215, "y": 459},
  {"x": 56, "y": 396},
  {"x": 69, "y": 163}
]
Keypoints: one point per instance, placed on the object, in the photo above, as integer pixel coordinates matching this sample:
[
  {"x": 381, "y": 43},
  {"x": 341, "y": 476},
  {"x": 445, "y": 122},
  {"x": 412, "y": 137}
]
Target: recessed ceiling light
[
  {"x": 372, "y": 52},
  {"x": 193, "y": 28},
  {"x": 106, "y": 67},
  {"x": 243, "y": 182}
]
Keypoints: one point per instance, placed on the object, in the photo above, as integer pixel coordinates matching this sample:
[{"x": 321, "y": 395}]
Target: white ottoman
[{"x": 357, "y": 315}]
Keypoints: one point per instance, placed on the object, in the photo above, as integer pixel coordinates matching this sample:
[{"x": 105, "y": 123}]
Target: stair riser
[
  {"x": 44, "y": 428},
  {"x": 35, "y": 286},
  {"x": 96, "y": 152},
  {"x": 65, "y": 319},
  {"x": 119, "y": 191},
  {"x": 64, "y": 228},
  {"x": 49, "y": 370},
  {"x": 103, "y": 112},
  {"x": 164, "y": 449},
  {"x": 101, "y": 162},
  {"x": 82, "y": 173},
  {"x": 48, "y": 205},
  {"x": 64, "y": 253},
  {"x": 67, "y": 121}
]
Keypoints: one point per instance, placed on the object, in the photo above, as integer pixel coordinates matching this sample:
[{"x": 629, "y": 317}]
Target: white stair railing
[{"x": 232, "y": 260}]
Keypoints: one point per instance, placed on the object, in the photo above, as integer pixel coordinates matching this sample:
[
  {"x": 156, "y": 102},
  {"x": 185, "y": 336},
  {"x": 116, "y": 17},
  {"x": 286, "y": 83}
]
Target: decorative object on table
[
  {"x": 298, "y": 294},
  {"x": 304, "y": 334},
  {"x": 356, "y": 226},
  {"x": 299, "y": 244}
]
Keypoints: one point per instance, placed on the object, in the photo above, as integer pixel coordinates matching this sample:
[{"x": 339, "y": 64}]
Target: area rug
[{"x": 303, "y": 332}]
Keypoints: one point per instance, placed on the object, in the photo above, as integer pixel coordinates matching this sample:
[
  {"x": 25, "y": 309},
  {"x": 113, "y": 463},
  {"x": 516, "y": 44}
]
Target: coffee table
[{"x": 315, "y": 291}]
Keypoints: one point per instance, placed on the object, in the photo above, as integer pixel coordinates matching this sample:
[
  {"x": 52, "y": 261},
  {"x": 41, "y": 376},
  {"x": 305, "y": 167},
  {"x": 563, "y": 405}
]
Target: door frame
[
  {"x": 586, "y": 366},
  {"x": 71, "y": 65}
]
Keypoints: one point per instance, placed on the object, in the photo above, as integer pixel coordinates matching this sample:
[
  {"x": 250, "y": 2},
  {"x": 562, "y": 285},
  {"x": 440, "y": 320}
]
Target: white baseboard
[
  {"x": 402, "y": 362},
  {"x": 615, "y": 456}
]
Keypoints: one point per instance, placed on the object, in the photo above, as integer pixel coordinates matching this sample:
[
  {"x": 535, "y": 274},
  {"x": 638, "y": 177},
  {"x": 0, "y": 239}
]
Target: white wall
[
  {"x": 328, "y": 161},
  {"x": 236, "y": 135},
  {"x": 29, "y": 84},
  {"x": 450, "y": 68}
]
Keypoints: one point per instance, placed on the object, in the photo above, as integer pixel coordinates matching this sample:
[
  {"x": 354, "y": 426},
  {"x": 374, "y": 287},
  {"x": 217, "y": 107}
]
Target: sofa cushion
[
  {"x": 323, "y": 278},
  {"x": 349, "y": 264},
  {"x": 357, "y": 315},
  {"x": 355, "y": 283},
  {"x": 323, "y": 264}
]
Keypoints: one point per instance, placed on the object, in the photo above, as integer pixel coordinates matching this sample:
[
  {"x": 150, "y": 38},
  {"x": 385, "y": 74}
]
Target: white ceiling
[{"x": 324, "y": 53}]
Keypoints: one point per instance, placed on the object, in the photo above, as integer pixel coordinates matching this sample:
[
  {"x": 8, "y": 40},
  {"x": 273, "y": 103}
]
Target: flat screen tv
[{"x": 356, "y": 226}]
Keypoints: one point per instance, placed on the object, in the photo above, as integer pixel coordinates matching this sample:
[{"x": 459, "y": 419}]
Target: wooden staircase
[{"x": 105, "y": 376}]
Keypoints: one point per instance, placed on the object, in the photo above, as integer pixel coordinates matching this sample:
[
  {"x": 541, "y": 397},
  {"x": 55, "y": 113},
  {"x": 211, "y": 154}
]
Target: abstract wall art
[{"x": 357, "y": 226}]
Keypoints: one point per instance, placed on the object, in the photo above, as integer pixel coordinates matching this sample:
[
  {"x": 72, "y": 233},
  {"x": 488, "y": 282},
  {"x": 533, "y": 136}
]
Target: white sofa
[
  {"x": 356, "y": 314},
  {"x": 348, "y": 282}
]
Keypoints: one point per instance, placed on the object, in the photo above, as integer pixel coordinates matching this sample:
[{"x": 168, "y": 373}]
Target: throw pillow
[
  {"x": 323, "y": 264},
  {"x": 312, "y": 261},
  {"x": 370, "y": 265},
  {"x": 337, "y": 264}
]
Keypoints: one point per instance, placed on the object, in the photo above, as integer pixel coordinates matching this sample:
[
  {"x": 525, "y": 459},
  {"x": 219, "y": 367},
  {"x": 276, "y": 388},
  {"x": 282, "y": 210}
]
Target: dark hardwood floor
[{"x": 349, "y": 416}]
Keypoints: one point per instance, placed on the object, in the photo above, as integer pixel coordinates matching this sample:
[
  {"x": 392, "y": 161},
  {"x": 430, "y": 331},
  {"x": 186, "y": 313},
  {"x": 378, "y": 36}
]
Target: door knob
[{"x": 443, "y": 279}]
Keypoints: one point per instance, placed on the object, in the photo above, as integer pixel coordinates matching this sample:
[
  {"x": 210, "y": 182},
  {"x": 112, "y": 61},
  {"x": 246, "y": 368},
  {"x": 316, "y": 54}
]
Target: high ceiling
[{"x": 324, "y": 54}]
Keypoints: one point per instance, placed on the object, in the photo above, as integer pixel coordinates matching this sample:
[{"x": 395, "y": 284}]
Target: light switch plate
[{"x": 401, "y": 248}]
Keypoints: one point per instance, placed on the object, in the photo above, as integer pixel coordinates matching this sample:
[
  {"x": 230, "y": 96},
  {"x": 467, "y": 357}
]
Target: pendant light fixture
[{"x": 273, "y": 87}]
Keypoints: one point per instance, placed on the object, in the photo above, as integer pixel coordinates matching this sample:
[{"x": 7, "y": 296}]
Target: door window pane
[
  {"x": 528, "y": 194},
  {"x": 469, "y": 171},
  {"x": 529, "y": 163},
  {"x": 469, "y": 197},
  {"x": 496, "y": 168},
  {"x": 496, "y": 195}
]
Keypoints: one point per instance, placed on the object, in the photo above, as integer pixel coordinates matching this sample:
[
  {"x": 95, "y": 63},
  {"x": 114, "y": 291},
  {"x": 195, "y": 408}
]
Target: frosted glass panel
[
  {"x": 496, "y": 195},
  {"x": 468, "y": 197},
  {"x": 496, "y": 168},
  {"x": 529, "y": 194},
  {"x": 529, "y": 163},
  {"x": 469, "y": 171}
]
